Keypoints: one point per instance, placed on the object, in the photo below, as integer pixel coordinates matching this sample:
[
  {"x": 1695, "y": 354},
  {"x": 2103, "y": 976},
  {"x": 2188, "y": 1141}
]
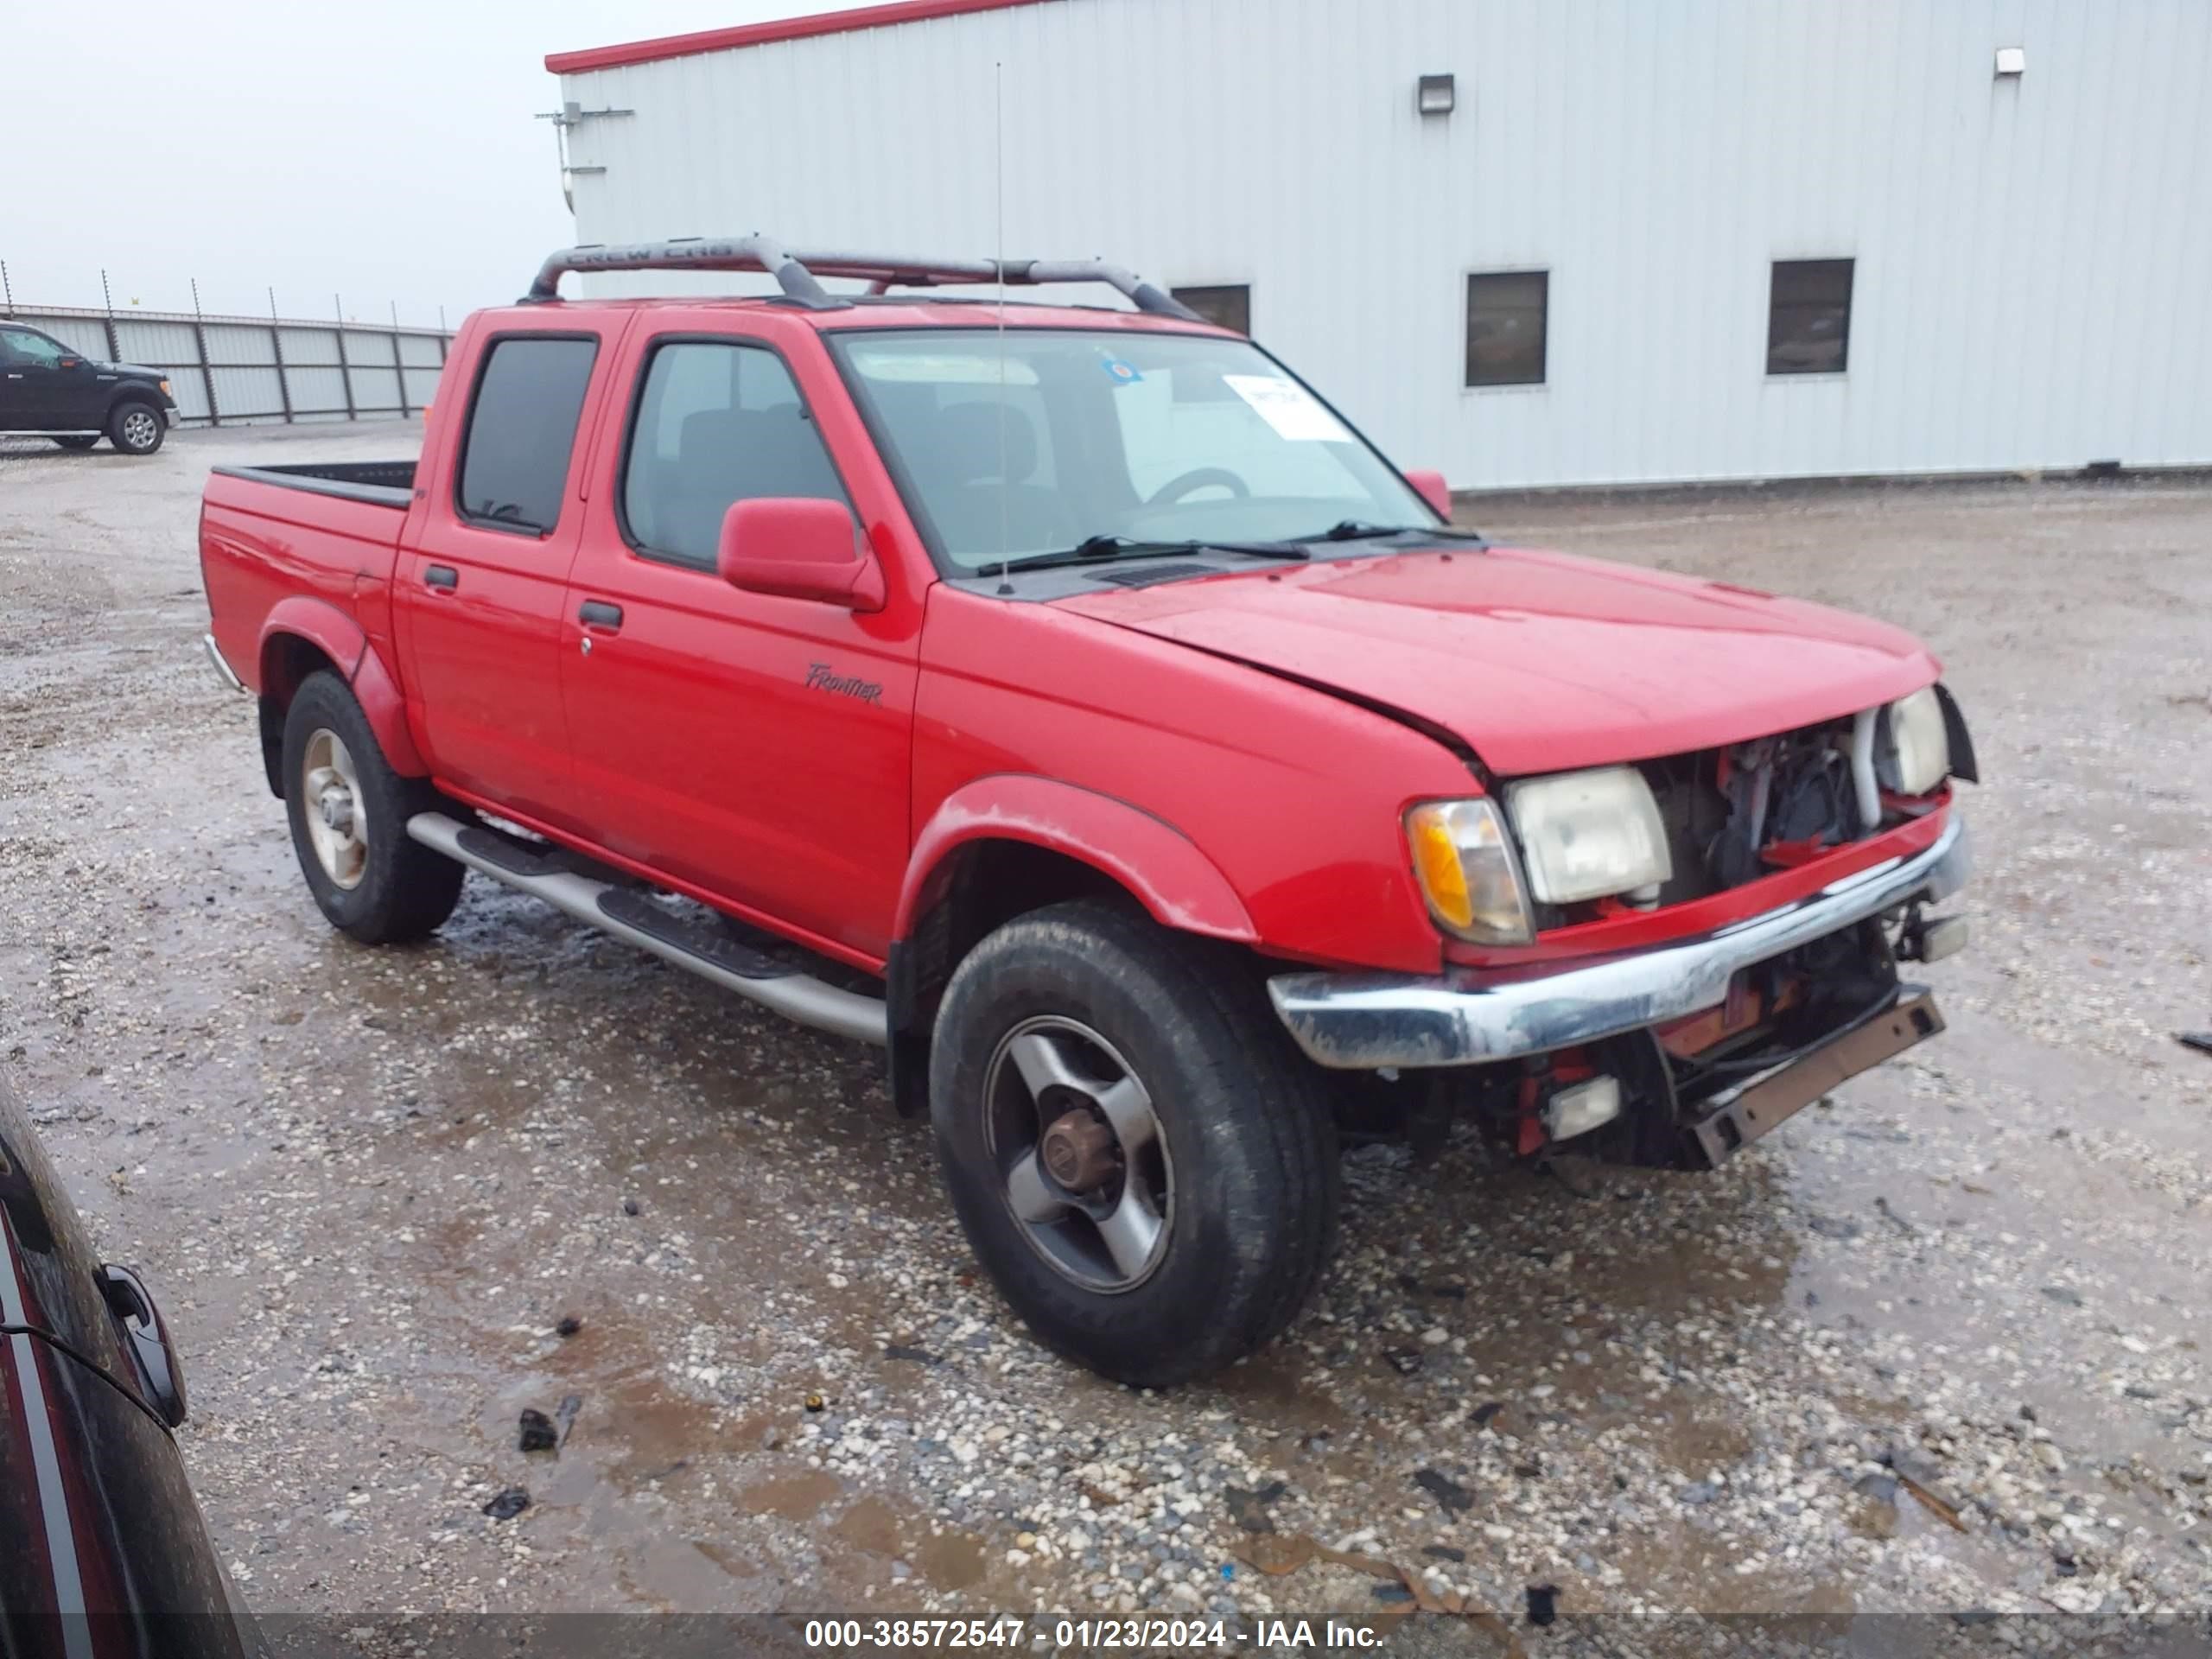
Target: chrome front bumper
[{"x": 1361, "y": 1021}]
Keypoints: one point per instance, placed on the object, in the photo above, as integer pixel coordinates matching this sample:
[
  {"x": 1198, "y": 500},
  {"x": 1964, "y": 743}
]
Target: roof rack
[{"x": 797, "y": 274}]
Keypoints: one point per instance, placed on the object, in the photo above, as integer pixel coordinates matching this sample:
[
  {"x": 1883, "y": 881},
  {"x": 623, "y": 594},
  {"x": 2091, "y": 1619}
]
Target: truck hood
[{"x": 1539, "y": 662}]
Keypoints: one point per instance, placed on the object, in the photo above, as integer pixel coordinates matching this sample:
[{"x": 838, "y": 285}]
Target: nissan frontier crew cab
[{"x": 1072, "y": 702}]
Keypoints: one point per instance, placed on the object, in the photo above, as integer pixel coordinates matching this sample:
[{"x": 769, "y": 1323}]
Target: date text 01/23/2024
[{"x": 851, "y": 1635}]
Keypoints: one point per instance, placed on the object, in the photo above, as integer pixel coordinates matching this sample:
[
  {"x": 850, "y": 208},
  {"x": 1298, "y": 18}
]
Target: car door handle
[
  {"x": 441, "y": 576},
  {"x": 598, "y": 613},
  {"x": 149, "y": 1339}
]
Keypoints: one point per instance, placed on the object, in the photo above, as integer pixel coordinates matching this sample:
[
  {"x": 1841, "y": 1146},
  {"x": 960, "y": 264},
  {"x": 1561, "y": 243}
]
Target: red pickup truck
[{"x": 1070, "y": 700}]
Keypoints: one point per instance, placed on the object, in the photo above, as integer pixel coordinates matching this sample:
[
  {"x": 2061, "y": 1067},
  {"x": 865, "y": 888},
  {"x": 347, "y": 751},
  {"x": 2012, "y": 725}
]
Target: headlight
[
  {"x": 1586, "y": 834},
  {"x": 166, "y": 392},
  {"x": 1468, "y": 875},
  {"x": 1913, "y": 754}
]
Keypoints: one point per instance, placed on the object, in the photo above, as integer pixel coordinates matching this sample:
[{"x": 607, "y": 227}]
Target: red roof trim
[{"x": 789, "y": 29}]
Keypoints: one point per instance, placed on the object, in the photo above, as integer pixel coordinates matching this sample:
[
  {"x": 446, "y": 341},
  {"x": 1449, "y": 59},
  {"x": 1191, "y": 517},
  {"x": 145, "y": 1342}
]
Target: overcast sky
[{"x": 385, "y": 153}]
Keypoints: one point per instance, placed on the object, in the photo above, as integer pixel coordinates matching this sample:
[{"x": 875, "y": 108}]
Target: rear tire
[
  {"x": 1210, "y": 1227},
  {"x": 348, "y": 810},
  {"x": 137, "y": 427},
  {"x": 78, "y": 439}
]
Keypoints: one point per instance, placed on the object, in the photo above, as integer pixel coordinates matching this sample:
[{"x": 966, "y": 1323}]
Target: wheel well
[
  {"x": 286, "y": 660},
  {"x": 981, "y": 885}
]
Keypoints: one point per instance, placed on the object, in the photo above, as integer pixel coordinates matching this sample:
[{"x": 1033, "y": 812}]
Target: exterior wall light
[
  {"x": 2012, "y": 62},
  {"x": 1436, "y": 96}
]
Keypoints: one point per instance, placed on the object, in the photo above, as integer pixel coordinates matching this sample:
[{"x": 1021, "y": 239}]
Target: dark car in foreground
[
  {"x": 102, "y": 1549},
  {"x": 48, "y": 387}
]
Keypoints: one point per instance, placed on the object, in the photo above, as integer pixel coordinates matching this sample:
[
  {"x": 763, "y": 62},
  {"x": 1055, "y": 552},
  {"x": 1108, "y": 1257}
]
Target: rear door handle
[
  {"x": 598, "y": 613},
  {"x": 441, "y": 576}
]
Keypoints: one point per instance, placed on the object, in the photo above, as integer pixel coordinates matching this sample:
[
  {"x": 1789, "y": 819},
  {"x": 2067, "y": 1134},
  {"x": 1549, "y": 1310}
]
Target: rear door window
[
  {"x": 718, "y": 423},
  {"x": 522, "y": 429}
]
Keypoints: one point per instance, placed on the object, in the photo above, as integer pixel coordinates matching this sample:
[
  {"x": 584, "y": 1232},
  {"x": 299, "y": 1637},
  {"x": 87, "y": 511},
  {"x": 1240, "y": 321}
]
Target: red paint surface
[
  {"x": 1223, "y": 748},
  {"x": 799, "y": 549},
  {"x": 1540, "y": 661},
  {"x": 788, "y": 28},
  {"x": 1154, "y": 859},
  {"x": 481, "y": 661},
  {"x": 693, "y": 732}
]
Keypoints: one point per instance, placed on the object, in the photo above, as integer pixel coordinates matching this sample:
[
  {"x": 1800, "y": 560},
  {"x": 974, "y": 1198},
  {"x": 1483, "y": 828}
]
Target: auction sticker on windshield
[{"x": 1294, "y": 412}]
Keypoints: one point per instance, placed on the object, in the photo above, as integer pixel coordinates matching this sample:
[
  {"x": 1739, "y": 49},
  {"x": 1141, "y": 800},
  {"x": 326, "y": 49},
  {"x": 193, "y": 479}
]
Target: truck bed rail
[
  {"x": 798, "y": 274},
  {"x": 379, "y": 483}
]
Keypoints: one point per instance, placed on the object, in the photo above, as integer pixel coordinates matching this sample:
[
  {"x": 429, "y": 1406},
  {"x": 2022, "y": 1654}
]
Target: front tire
[
  {"x": 77, "y": 439},
  {"x": 1140, "y": 1161},
  {"x": 137, "y": 427},
  {"x": 348, "y": 810}
]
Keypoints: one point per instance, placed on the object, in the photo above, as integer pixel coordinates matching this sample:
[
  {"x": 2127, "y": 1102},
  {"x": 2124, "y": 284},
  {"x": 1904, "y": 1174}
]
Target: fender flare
[
  {"x": 135, "y": 392},
  {"x": 1155, "y": 861},
  {"x": 340, "y": 637}
]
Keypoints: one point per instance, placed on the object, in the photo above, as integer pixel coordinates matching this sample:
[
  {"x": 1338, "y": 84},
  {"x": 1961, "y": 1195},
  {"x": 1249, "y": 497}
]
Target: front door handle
[
  {"x": 598, "y": 613},
  {"x": 149, "y": 1338},
  {"x": 441, "y": 576}
]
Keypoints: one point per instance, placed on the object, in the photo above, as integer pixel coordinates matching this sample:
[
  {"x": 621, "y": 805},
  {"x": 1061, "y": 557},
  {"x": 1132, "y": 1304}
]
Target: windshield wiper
[
  {"x": 1358, "y": 530},
  {"x": 1092, "y": 549}
]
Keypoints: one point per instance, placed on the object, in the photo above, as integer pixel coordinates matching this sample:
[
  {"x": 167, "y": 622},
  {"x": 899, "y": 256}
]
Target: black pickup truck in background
[{"x": 48, "y": 387}]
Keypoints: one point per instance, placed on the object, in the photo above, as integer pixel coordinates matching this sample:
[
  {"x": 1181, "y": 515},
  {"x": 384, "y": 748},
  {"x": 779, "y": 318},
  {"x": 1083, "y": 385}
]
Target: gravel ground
[{"x": 368, "y": 1184}]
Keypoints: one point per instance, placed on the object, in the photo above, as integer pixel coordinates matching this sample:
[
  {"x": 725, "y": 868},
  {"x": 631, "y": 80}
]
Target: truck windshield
[{"x": 1070, "y": 437}]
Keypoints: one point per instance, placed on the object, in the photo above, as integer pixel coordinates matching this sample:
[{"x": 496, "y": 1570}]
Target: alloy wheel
[{"x": 1084, "y": 1162}]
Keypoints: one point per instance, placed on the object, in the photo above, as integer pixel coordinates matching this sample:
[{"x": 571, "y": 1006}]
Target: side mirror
[
  {"x": 800, "y": 549},
  {"x": 72, "y": 363},
  {"x": 1433, "y": 489}
]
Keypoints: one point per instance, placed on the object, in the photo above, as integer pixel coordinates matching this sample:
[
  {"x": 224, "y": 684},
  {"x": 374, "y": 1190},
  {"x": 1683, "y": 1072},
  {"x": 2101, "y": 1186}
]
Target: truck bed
[
  {"x": 327, "y": 532},
  {"x": 379, "y": 483}
]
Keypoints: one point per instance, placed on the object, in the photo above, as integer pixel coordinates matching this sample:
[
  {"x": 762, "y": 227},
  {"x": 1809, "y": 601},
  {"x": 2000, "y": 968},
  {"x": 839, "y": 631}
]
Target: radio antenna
[{"x": 998, "y": 102}]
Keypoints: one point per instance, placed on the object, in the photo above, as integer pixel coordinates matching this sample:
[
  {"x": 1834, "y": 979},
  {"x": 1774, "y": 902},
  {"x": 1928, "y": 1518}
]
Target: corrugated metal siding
[
  {"x": 316, "y": 391},
  {"x": 157, "y": 344},
  {"x": 191, "y": 394},
  {"x": 246, "y": 394},
  {"x": 315, "y": 347},
  {"x": 2032, "y": 255},
  {"x": 375, "y": 390},
  {"x": 238, "y": 344}
]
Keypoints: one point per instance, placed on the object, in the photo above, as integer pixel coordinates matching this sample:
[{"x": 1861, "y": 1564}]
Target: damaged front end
[
  {"x": 1693, "y": 1092},
  {"x": 1674, "y": 1024}
]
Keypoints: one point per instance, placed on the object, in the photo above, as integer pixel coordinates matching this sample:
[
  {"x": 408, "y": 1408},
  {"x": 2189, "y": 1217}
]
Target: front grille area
[
  {"x": 1739, "y": 813},
  {"x": 1736, "y": 814}
]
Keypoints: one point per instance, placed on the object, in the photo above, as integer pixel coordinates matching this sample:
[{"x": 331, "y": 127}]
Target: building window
[
  {"x": 1809, "y": 317},
  {"x": 1226, "y": 306},
  {"x": 1506, "y": 325}
]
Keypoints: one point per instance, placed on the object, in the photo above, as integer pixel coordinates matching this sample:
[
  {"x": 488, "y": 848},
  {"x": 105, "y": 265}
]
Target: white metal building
[{"x": 1664, "y": 239}]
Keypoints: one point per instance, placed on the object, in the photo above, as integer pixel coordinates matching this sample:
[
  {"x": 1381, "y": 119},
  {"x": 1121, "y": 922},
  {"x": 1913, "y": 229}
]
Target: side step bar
[{"x": 797, "y": 996}]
